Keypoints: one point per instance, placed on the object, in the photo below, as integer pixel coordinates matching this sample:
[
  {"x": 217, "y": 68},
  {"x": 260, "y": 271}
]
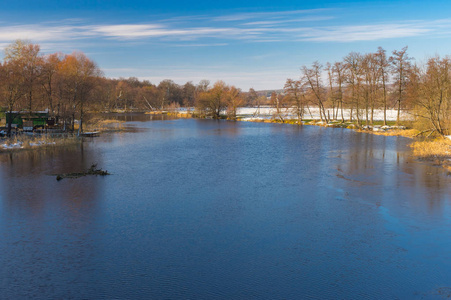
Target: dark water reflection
[{"x": 200, "y": 209}]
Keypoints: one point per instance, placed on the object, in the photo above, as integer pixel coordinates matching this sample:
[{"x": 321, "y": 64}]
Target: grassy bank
[
  {"x": 181, "y": 115},
  {"x": 437, "y": 150},
  {"x": 409, "y": 133}
]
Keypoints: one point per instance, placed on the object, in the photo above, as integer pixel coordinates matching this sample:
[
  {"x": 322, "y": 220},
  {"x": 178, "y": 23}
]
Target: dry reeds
[
  {"x": 439, "y": 149},
  {"x": 104, "y": 125},
  {"x": 410, "y": 133}
]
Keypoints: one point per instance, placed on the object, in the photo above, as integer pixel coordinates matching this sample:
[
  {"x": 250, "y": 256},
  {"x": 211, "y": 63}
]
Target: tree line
[
  {"x": 364, "y": 83},
  {"x": 360, "y": 83},
  {"x": 69, "y": 85}
]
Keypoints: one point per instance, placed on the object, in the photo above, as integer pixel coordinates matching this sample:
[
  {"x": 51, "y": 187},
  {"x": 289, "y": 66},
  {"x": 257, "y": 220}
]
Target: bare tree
[
  {"x": 27, "y": 56},
  {"x": 331, "y": 97},
  {"x": 400, "y": 61},
  {"x": 294, "y": 91},
  {"x": 48, "y": 74},
  {"x": 338, "y": 71},
  {"x": 313, "y": 78},
  {"x": 278, "y": 103},
  {"x": 354, "y": 80},
  {"x": 370, "y": 73},
  {"x": 434, "y": 98},
  {"x": 12, "y": 89},
  {"x": 383, "y": 67}
]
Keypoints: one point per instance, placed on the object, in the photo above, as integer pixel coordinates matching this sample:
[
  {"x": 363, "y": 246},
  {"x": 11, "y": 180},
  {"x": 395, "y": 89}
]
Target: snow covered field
[{"x": 313, "y": 113}]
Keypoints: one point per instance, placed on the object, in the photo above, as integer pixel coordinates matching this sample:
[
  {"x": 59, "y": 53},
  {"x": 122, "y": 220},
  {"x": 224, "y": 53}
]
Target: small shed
[{"x": 28, "y": 120}]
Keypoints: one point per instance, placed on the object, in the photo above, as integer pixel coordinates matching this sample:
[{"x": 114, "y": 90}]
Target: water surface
[{"x": 203, "y": 209}]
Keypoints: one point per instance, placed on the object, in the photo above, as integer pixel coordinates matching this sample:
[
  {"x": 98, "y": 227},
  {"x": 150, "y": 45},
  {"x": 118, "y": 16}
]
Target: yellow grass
[
  {"x": 180, "y": 115},
  {"x": 104, "y": 125},
  {"x": 439, "y": 149},
  {"x": 410, "y": 133},
  {"x": 156, "y": 112}
]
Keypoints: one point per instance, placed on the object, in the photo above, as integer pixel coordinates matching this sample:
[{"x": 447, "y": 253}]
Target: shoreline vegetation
[{"x": 31, "y": 140}]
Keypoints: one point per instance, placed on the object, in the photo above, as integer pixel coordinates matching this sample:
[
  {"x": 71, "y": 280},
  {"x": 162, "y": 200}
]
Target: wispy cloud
[
  {"x": 126, "y": 31},
  {"x": 286, "y": 21},
  {"x": 266, "y": 15},
  {"x": 298, "y": 25},
  {"x": 364, "y": 32},
  {"x": 202, "y": 45},
  {"x": 37, "y": 32}
]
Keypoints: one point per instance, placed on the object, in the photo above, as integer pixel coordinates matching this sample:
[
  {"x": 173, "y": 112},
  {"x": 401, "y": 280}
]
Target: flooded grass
[
  {"x": 104, "y": 125},
  {"x": 410, "y": 133},
  {"x": 438, "y": 149}
]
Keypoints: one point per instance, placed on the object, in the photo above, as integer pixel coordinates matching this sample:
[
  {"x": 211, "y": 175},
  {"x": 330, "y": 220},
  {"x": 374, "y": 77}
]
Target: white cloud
[
  {"x": 36, "y": 32},
  {"x": 202, "y": 45},
  {"x": 278, "y": 30},
  {"x": 265, "y": 15},
  {"x": 262, "y": 27},
  {"x": 285, "y": 21},
  {"x": 364, "y": 32},
  {"x": 131, "y": 31}
]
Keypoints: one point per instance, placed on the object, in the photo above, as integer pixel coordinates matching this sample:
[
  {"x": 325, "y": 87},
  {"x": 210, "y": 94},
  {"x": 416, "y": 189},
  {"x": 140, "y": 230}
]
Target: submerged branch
[{"x": 91, "y": 171}]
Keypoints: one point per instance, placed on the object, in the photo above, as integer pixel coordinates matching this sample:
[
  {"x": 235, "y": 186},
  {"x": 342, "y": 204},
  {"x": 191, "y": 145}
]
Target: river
[{"x": 204, "y": 209}]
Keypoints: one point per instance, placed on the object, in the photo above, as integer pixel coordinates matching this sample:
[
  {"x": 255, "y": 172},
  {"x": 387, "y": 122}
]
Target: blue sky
[{"x": 245, "y": 43}]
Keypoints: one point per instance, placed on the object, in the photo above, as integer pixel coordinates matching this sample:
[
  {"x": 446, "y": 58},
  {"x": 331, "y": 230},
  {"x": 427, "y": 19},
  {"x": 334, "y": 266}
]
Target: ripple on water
[{"x": 224, "y": 210}]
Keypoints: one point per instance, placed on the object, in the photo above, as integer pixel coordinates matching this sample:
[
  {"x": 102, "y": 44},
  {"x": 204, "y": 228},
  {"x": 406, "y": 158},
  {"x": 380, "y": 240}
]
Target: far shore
[{"x": 312, "y": 117}]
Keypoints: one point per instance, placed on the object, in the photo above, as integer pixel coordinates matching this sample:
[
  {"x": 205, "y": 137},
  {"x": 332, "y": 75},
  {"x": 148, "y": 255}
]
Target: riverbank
[
  {"x": 29, "y": 141},
  {"x": 437, "y": 151}
]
